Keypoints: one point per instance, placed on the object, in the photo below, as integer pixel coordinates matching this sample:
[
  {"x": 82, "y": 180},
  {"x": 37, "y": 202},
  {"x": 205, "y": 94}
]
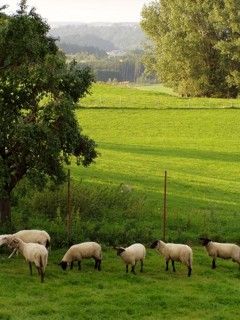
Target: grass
[
  {"x": 152, "y": 97},
  {"x": 198, "y": 147},
  {"x": 110, "y": 294}
]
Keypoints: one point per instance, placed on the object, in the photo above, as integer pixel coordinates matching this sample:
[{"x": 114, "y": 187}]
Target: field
[
  {"x": 198, "y": 147},
  {"x": 141, "y": 132},
  {"x": 112, "y": 294}
]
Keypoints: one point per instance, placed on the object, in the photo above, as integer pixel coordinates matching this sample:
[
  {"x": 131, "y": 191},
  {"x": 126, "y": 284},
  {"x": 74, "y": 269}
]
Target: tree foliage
[
  {"x": 38, "y": 93},
  {"x": 195, "y": 45}
]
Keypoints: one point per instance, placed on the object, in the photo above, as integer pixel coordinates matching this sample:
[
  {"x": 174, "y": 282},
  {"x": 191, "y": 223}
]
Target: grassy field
[
  {"x": 112, "y": 294},
  {"x": 140, "y": 133},
  {"x": 198, "y": 147}
]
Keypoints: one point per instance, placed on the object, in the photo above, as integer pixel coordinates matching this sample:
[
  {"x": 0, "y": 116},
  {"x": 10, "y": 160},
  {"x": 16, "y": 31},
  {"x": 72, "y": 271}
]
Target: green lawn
[
  {"x": 148, "y": 97},
  {"x": 112, "y": 294},
  {"x": 198, "y": 147}
]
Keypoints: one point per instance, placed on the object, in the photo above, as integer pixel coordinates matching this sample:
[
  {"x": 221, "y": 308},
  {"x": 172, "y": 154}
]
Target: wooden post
[
  {"x": 69, "y": 211},
  {"x": 165, "y": 207}
]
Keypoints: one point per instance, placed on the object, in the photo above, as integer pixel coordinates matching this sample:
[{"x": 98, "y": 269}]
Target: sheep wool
[
  {"x": 131, "y": 255},
  {"x": 78, "y": 252},
  {"x": 32, "y": 252},
  {"x": 221, "y": 250},
  {"x": 175, "y": 252}
]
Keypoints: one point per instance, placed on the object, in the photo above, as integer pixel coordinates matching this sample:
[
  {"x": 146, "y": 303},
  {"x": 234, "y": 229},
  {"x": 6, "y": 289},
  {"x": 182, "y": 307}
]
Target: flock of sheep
[{"x": 34, "y": 244}]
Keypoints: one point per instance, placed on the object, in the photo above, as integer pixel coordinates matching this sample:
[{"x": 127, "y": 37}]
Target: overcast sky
[{"x": 85, "y": 10}]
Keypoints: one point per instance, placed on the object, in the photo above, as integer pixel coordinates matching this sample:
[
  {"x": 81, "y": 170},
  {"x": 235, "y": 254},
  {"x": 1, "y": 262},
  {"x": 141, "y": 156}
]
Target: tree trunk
[{"x": 5, "y": 210}]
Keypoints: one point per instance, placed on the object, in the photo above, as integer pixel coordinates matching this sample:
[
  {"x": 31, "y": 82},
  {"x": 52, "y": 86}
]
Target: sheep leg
[
  {"x": 42, "y": 274},
  {"x": 166, "y": 269},
  {"x": 99, "y": 264},
  {"x": 126, "y": 268},
  {"x": 71, "y": 265},
  {"x": 173, "y": 266},
  {"x": 141, "y": 270},
  {"x": 30, "y": 268},
  {"x": 189, "y": 271},
  {"x": 96, "y": 263},
  {"x": 214, "y": 263},
  {"x": 133, "y": 269},
  {"x": 79, "y": 265}
]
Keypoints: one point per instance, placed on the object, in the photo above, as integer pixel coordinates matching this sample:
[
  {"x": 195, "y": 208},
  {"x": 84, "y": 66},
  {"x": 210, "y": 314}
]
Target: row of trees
[
  {"x": 126, "y": 67},
  {"x": 39, "y": 132},
  {"x": 195, "y": 45}
]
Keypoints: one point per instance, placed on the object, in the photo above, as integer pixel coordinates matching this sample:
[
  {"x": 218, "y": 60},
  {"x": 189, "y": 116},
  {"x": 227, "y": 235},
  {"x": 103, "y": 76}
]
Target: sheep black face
[
  {"x": 205, "y": 241},
  {"x": 154, "y": 244},
  {"x": 63, "y": 264},
  {"x": 120, "y": 251}
]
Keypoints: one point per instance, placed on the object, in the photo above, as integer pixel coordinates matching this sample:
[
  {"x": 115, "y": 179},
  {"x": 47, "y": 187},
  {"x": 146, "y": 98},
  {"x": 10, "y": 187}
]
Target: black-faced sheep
[
  {"x": 175, "y": 252},
  {"x": 81, "y": 251},
  {"x": 221, "y": 250},
  {"x": 131, "y": 255}
]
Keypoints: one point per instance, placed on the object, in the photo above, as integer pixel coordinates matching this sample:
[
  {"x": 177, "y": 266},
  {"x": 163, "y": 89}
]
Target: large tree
[
  {"x": 195, "y": 45},
  {"x": 39, "y": 91}
]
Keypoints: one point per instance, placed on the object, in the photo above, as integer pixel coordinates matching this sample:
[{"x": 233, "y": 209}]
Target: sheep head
[
  {"x": 63, "y": 264},
  {"x": 205, "y": 241},
  {"x": 155, "y": 244},
  {"x": 13, "y": 243},
  {"x": 120, "y": 250}
]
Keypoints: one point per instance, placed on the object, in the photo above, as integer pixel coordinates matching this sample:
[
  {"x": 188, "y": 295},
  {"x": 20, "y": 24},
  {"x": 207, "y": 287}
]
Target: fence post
[
  {"x": 69, "y": 211},
  {"x": 165, "y": 207}
]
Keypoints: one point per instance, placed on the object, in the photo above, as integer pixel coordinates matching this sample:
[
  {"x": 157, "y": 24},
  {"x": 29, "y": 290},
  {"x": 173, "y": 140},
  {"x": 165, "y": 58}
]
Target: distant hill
[{"x": 104, "y": 36}]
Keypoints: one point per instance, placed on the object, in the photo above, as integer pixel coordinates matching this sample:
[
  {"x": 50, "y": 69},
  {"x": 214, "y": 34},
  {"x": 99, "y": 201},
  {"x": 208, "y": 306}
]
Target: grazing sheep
[
  {"x": 174, "y": 252},
  {"x": 125, "y": 188},
  {"x": 221, "y": 250},
  {"x": 32, "y": 252},
  {"x": 29, "y": 236},
  {"x": 131, "y": 255},
  {"x": 81, "y": 251}
]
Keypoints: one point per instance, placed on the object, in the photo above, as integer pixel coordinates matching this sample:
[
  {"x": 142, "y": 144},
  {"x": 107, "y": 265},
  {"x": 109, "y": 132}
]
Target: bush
[{"x": 99, "y": 213}]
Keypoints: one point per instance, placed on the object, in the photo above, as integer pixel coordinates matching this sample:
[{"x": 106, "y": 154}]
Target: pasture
[
  {"x": 112, "y": 294},
  {"x": 141, "y": 132}
]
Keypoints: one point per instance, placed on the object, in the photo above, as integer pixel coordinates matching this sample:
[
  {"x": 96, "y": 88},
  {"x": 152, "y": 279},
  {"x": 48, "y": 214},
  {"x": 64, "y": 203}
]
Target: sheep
[
  {"x": 81, "y": 251},
  {"x": 125, "y": 188},
  {"x": 175, "y": 252},
  {"x": 221, "y": 250},
  {"x": 33, "y": 236},
  {"x": 33, "y": 253},
  {"x": 131, "y": 255}
]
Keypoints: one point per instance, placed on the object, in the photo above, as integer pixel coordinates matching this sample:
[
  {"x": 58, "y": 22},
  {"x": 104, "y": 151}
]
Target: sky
[{"x": 85, "y": 10}]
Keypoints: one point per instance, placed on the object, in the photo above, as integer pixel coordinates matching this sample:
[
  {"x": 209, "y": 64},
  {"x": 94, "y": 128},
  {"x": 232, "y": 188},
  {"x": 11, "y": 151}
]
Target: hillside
[{"x": 105, "y": 36}]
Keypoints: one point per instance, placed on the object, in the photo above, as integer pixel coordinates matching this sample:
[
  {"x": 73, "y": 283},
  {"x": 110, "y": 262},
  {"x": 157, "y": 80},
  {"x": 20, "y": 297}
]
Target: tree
[
  {"x": 189, "y": 44},
  {"x": 39, "y": 132}
]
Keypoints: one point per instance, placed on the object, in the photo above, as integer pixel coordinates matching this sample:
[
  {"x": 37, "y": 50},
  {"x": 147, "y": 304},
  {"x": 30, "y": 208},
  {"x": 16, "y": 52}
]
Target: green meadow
[
  {"x": 141, "y": 132},
  {"x": 199, "y": 148},
  {"x": 112, "y": 294}
]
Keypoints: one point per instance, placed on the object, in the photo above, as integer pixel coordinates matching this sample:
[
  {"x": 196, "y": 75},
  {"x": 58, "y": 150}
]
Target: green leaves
[
  {"x": 196, "y": 45},
  {"x": 38, "y": 92}
]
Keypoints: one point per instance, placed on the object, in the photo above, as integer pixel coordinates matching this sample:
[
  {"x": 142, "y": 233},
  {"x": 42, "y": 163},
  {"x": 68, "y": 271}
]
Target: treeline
[
  {"x": 127, "y": 67},
  {"x": 195, "y": 45}
]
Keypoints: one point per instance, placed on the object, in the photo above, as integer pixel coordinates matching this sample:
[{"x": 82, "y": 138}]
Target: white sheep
[
  {"x": 29, "y": 236},
  {"x": 32, "y": 252},
  {"x": 221, "y": 250},
  {"x": 175, "y": 252},
  {"x": 81, "y": 251},
  {"x": 131, "y": 255}
]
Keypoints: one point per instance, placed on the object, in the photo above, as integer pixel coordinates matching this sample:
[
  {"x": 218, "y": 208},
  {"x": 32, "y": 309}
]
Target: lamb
[
  {"x": 32, "y": 252},
  {"x": 81, "y": 251},
  {"x": 221, "y": 250},
  {"x": 175, "y": 252},
  {"x": 33, "y": 236},
  {"x": 131, "y": 255}
]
